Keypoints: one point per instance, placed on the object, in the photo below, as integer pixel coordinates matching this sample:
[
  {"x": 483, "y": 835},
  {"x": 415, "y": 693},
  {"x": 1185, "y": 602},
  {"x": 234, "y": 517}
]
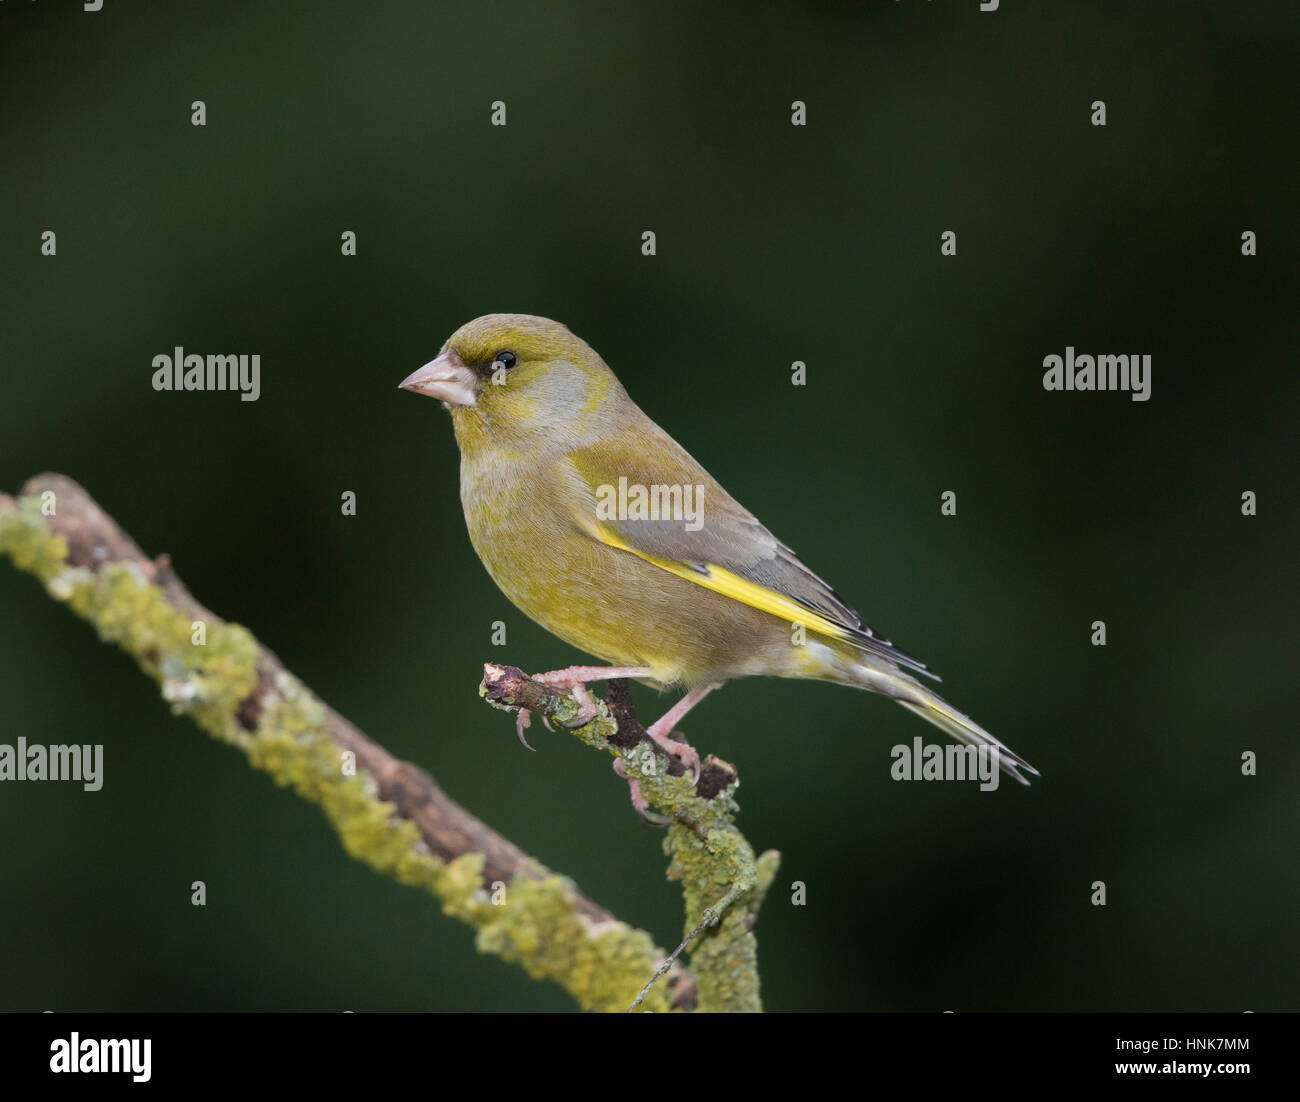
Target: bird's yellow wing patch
[{"x": 732, "y": 585}]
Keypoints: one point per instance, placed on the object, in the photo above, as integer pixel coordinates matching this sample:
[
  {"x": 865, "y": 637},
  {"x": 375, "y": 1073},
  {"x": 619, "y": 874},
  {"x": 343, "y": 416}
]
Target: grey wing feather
[{"x": 732, "y": 537}]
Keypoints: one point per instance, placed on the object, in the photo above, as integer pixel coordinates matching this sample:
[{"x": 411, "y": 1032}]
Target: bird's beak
[{"x": 446, "y": 378}]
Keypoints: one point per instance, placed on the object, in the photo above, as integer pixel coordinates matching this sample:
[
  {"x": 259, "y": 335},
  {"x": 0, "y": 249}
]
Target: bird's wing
[{"x": 712, "y": 540}]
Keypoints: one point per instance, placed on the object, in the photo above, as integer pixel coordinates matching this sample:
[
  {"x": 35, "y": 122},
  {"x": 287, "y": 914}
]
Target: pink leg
[
  {"x": 580, "y": 675},
  {"x": 662, "y": 728},
  {"x": 575, "y": 679}
]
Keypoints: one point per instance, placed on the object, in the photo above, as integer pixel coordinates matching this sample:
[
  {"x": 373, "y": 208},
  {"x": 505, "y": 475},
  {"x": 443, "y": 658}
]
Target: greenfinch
[{"x": 599, "y": 526}]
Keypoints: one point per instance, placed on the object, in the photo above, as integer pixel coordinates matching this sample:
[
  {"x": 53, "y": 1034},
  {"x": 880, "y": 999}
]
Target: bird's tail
[
  {"x": 931, "y": 707},
  {"x": 965, "y": 730}
]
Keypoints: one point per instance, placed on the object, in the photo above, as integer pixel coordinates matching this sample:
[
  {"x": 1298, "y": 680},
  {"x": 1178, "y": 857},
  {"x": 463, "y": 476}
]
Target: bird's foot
[
  {"x": 661, "y": 730},
  {"x": 639, "y": 802},
  {"x": 587, "y": 706},
  {"x": 575, "y": 679},
  {"x": 683, "y": 751}
]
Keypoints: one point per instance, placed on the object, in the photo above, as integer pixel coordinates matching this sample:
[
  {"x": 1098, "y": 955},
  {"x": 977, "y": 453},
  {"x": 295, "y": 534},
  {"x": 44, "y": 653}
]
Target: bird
[{"x": 603, "y": 529}]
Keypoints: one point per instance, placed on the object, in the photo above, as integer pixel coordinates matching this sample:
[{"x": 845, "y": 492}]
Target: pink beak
[{"x": 445, "y": 378}]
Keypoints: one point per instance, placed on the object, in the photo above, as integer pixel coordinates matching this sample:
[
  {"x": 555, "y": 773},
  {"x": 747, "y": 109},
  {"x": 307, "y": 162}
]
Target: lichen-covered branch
[
  {"x": 707, "y": 853},
  {"x": 388, "y": 813}
]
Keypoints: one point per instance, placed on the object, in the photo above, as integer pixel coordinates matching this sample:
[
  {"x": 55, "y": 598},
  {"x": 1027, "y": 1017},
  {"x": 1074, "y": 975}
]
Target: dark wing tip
[{"x": 870, "y": 642}]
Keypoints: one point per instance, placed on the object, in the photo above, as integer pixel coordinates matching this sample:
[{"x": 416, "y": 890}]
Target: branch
[
  {"x": 723, "y": 884},
  {"x": 388, "y": 813}
]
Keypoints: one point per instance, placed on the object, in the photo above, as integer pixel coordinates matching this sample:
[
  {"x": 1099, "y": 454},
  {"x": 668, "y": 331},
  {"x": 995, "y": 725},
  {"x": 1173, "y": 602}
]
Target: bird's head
[{"x": 518, "y": 380}]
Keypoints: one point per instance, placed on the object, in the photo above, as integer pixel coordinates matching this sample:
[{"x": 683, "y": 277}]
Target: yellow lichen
[{"x": 537, "y": 925}]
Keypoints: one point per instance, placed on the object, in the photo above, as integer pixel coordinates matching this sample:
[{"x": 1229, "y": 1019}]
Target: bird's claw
[
  {"x": 588, "y": 709},
  {"x": 639, "y": 803},
  {"x": 522, "y": 723},
  {"x": 694, "y": 764},
  {"x": 683, "y": 751}
]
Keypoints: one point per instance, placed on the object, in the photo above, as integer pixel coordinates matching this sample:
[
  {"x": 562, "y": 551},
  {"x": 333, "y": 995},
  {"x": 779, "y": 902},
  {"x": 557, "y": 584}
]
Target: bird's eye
[{"x": 505, "y": 359}]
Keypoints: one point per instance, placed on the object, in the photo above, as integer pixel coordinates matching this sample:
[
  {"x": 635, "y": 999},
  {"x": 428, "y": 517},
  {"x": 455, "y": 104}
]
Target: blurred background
[{"x": 775, "y": 243}]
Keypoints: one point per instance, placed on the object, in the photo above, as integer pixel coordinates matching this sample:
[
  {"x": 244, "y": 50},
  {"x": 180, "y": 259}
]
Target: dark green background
[{"x": 775, "y": 243}]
